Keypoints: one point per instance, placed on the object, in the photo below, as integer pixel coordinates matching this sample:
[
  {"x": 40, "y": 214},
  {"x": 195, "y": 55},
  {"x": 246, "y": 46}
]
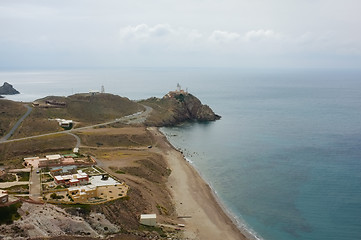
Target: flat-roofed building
[
  {"x": 72, "y": 180},
  {"x": 81, "y": 194},
  {"x": 66, "y": 123},
  {"x": 148, "y": 219},
  {"x": 53, "y": 157},
  {"x": 31, "y": 158},
  {"x": 4, "y": 197}
]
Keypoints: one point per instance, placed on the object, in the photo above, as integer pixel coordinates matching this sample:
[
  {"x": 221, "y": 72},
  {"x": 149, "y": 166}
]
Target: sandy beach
[{"x": 195, "y": 203}]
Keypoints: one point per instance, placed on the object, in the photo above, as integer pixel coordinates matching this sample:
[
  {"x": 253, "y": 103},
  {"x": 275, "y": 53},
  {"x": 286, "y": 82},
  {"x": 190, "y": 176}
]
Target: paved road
[
  {"x": 130, "y": 119},
  {"x": 35, "y": 190},
  {"x": 17, "y": 124},
  {"x": 78, "y": 141}
]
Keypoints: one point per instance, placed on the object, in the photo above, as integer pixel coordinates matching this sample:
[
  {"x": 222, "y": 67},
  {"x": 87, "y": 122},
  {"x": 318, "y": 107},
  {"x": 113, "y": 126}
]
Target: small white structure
[
  {"x": 76, "y": 150},
  {"x": 148, "y": 219},
  {"x": 65, "y": 123},
  {"x": 94, "y": 92},
  {"x": 4, "y": 197},
  {"x": 31, "y": 159}
]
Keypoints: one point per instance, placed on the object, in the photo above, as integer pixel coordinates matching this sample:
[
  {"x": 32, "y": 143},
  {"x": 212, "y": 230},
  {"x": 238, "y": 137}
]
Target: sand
[{"x": 195, "y": 203}]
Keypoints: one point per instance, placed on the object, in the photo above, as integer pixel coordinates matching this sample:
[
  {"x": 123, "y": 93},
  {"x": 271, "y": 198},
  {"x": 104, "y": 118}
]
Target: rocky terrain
[
  {"x": 175, "y": 108},
  {"x": 7, "y": 89},
  {"x": 50, "y": 220}
]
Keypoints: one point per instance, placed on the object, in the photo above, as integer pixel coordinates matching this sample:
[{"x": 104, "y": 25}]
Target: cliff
[
  {"x": 177, "y": 107},
  {"x": 7, "y": 89}
]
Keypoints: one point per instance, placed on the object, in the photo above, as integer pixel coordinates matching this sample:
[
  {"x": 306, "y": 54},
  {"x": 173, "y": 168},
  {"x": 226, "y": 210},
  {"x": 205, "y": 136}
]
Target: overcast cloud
[{"x": 190, "y": 33}]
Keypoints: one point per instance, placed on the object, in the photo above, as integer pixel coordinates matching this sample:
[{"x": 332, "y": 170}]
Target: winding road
[
  {"x": 78, "y": 142},
  {"x": 17, "y": 124}
]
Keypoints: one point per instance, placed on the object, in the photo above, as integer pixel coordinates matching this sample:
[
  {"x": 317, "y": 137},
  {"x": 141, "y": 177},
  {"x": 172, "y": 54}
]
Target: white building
[
  {"x": 72, "y": 180},
  {"x": 66, "y": 123},
  {"x": 148, "y": 219},
  {"x": 53, "y": 157},
  {"x": 94, "y": 92},
  {"x": 4, "y": 197}
]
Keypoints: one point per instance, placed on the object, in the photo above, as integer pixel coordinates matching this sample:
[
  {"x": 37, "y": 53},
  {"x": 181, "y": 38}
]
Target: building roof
[
  {"x": 71, "y": 177},
  {"x": 53, "y": 157},
  {"x": 81, "y": 175},
  {"x": 148, "y": 216},
  {"x": 31, "y": 158},
  {"x": 66, "y": 121},
  {"x": 83, "y": 189},
  {"x": 97, "y": 181},
  {"x": 68, "y": 160}
]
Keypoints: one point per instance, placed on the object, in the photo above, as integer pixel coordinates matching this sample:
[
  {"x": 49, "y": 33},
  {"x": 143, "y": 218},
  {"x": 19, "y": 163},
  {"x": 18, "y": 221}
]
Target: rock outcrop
[
  {"x": 195, "y": 110},
  {"x": 177, "y": 107},
  {"x": 7, "y": 89}
]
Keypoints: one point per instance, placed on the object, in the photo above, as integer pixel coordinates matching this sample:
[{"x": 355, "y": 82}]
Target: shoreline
[
  {"x": 193, "y": 197},
  {"x": 241, "y": 227}
]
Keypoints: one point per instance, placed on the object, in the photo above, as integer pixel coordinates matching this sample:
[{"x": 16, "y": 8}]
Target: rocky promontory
[
  {"x": 7, "y": 89},
  {"x": 177, "y": 107}
]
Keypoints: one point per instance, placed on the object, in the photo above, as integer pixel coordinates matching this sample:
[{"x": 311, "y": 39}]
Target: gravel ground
[{"x": 49, "y": 221}]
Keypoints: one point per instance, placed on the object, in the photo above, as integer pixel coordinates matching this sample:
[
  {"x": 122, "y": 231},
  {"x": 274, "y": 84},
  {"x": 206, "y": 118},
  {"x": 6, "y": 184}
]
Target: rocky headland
[{"x": 177, "y": 107}]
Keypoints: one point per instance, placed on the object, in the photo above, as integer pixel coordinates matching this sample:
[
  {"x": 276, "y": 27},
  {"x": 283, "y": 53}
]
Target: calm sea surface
[{"x": 285, "y": 158}]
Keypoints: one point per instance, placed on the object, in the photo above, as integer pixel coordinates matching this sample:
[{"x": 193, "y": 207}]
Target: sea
[{"x": 285, "y": 158}]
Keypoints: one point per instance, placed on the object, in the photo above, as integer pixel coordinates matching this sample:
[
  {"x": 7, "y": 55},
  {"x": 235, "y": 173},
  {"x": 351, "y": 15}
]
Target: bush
[
  {"x": 55, "y": 196},
  {"x": 9, "y": 213},
  {"x": 23, "y": 176},
  {"x": 180, "y": 97}
]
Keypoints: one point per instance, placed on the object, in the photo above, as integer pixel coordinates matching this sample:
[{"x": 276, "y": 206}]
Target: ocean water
[{"x": 285, "y": 159}]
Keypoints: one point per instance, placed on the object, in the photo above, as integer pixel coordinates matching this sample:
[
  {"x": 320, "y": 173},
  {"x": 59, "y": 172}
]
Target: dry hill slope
[{"x": 85, "y": 109}]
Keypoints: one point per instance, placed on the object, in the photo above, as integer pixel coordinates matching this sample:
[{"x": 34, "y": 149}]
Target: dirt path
[{"x": 10, "y": 184}]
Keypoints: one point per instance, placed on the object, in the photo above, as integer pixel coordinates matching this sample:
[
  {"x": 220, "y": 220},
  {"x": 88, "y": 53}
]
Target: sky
[{"x": 52, "y": 34}]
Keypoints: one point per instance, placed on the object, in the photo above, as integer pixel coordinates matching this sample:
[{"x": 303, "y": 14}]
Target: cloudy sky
[{"x": 46, "y": 34}]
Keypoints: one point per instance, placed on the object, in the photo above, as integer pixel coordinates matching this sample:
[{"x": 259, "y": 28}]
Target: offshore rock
[{"x": 7, "y": 89}]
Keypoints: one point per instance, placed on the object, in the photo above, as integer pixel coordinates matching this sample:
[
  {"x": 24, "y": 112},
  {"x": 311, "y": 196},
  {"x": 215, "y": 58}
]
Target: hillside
[
  {"x": 92, "y": 108},
  {"x": 84, "y": 109},
  {"x": 10, "y": 112}
]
